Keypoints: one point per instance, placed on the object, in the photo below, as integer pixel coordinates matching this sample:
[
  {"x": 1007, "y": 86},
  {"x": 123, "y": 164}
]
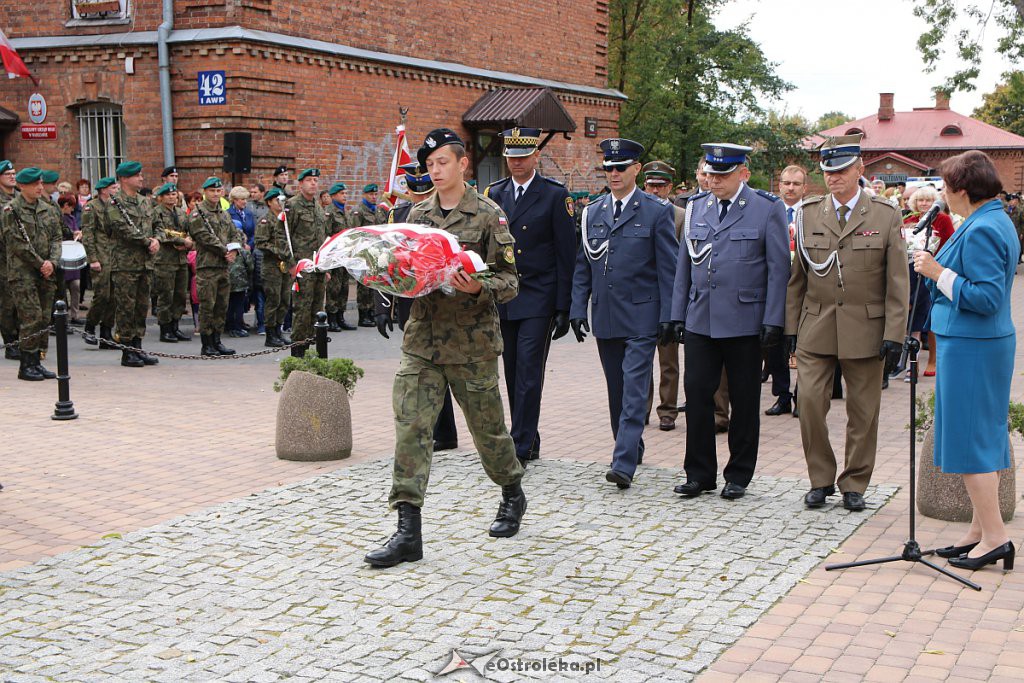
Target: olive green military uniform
[
  {"x": 308, "y": 227},
  {"x": 212, "y": 231},
  {"x": 32, "y": 235},
  {"x": 270, "y": 239},
  {"x": 8, "y": 313},
  {"x": 844, "y": 321},
  {"x": 170, "y": 278},
  {"x": 131, "y": 279},
  {"x": 357, "y": 218},
  {"x": 97, "y": 240},
  {"x": 337, "y": 287},
  {"x": 455, "y": 341}
]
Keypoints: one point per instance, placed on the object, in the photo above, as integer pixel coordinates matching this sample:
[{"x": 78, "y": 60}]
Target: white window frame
[
  {"x": 123, "y": 14},
  {"x": 101, "y": 139}
]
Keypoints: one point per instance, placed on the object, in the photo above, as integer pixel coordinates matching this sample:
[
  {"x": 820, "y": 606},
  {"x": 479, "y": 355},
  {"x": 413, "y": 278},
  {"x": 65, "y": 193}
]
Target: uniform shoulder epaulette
[
  {"x": 663, "y": 202},
  {"x": 813, "y": 199},
  {"x": 699, "y": 195},
  {"x": 487, "y": 201},
  {"x": 553, "y": 181},
  {"x": 883, "y": 200},
  {"x": 768, "y": 195},
  {"x": 499, "y": 181}
]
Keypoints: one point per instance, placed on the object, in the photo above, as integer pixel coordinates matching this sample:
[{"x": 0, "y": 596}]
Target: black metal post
[
  {"x": 64, "y": 409},
  {"x": 320, "y": 331}
]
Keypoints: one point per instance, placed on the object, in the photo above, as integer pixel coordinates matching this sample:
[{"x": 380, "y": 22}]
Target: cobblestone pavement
[{"x": 273, "y": 586}]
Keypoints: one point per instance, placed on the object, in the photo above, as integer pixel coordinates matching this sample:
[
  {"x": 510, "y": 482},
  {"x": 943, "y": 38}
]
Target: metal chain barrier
[
  {"x": 185, "y": 356},
  {"x": 32, "y": 337}
]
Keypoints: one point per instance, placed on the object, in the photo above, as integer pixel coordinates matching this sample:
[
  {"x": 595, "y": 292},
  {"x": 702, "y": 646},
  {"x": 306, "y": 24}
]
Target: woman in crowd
[
  {"x": 970, "y": 281},
  {"x": 70, "y": 231}
]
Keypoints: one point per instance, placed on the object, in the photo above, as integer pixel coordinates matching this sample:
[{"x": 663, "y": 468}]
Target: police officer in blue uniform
[
  {"x": 730, "y": 298},
  {"x": 624, "y": 269},
  {"x": 541, "y": 217}
]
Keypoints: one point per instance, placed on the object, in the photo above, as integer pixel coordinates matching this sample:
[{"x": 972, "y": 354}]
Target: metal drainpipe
[{"x": 164, "y": 61}]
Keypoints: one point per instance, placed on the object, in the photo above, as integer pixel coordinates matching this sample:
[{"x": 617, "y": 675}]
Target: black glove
[
  {"x": 771, "y": 335},
  {"x": 666, "y": 333},
  {"x": 789, "y": 341},
  {"x": 384, "y": 324},
  {"x": 578, "y": 326},
  {"x": 561, "y": 325},
  {"x": 890, "y": 352},
  {"x": 679, "y": 327}
]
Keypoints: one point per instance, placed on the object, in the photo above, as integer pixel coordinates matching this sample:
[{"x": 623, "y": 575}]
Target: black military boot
[
  {"x": 130, "y": 359},
  {"x": 28, "y": 370},
  {"x": 282, "y": 336},
  {"x": 332, "y": 322},
  {"x": 90, "y": 334},
  {"x": 11, "y": 352},
  {"x": 366, "y": 318},
  {"x": 146, "y": 358},
  {"x": 106, "y": 336},
  {"x": 510, "y": 511},
  {"x": 219, "y": 347},
  {"x": 208, "y": 349},
  {"x": 342, "y": 325},
  {"x": 405, "y": 545},
  {"x": 37, "y": 358},
  {"x": 181, "y": 336},
  {"x": 167, "y": 333},
  {"x": 299, "y": 351},
  {"x": 271, "y": 338}
]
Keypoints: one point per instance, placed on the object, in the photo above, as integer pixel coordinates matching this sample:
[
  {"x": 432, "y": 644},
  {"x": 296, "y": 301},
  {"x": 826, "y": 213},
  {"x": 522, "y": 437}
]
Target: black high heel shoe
[
  {"x": 955, "y": 550},
  {"x": 1005, "y": 552}
]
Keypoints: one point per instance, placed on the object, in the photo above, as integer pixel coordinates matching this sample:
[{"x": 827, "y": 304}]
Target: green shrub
[
  {"x": 926, "y": 416},
  {"x": 341, "y": 370}
]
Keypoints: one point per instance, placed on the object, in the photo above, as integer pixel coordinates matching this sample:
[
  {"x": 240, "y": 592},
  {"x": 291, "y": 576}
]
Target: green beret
[
  {"x": 163, "y": 189},
  {"x": 273, "y": 193},
  {"x": 309, "y": 172},
  {"x": 104, "y": 183},
  {"x": 372, "y": 187},
  {"x": 29, "y": 175},
  {"x": 212, "y": 181},
  {"x": 6, "y": 166},
  {"x": 336, "y": 188},
  {"x": 128, "y": 169},
  {"x": 472, "y": 183},
  {"x": 50, "y": 176}
]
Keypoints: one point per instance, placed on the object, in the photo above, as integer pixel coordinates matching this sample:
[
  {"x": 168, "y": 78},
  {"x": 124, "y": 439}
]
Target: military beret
[
  {"x": 273, "y": 193},
  {"x": 472, "y": 183},
  {"x": 51, "y": 176},
  {"x": 6, "y": 166},
  {"x": 309, "y": 173},
  {"x": 620, "y": 153},
  {"x": 280, "y": 169},
  {"x": 128, "y": 169},
  {"x": 435, "y": 140},
  {"x": 104, "y": 183},
  {"x": 336, "y": 188},
  {"x": 212, "y": 181},
  {"x": 372, "y": 187},
  {"x": 163, "y": 189},
  {"x": 721, "y": 158},
  {"x": 168, "y": 171},
  {"x": 29, "y": 175}
]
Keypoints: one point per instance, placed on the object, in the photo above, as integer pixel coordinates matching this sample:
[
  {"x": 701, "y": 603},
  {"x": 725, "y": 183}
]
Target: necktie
[
  {"x": 789, "y": 214},
  {"x": 724, "y": 210},
  {"x": 618, "y": 209},
  {"x": 843, "y": 210},
  {"x": 519, "y": 193}
]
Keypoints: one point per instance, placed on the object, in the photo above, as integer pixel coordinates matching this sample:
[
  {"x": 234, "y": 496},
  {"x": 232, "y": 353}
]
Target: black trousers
[
  {"x": 705, "y": 358},
  {"x": 776, "y": 363},
  {"x": 526, "y": 353}
]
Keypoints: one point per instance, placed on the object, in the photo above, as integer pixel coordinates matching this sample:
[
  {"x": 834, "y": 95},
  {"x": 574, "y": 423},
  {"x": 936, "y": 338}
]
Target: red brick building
[
  {"x": 315, "y": 83},
  {"x": 913, "y": 143}
]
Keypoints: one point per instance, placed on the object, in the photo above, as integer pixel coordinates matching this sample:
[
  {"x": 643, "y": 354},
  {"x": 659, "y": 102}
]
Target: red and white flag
[
  {"x": 13, "y": 65},
  {"x": 396, "y": 179}
]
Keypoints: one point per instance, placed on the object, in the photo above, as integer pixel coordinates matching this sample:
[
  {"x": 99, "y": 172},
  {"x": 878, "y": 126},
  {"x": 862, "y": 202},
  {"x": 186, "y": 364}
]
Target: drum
[{"x": 72, "y": 255}]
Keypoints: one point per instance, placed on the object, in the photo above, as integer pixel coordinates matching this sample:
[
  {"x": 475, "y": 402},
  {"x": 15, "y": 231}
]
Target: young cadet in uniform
[
  {"x": 97, "y": 240},
  {"x": 32, "y": 234},
  {"x": 8, "y": 315},
  {"x": 728, "y": 302},
  {"x": 171, "y": 278},
  {"x": 271, "y": 241},
  {"x": 454, "y": 340},
  {"x": 366, "y": 213},
  {"x": 625, "y": 269},
  {"x": 212, "y": 231},
  {"x": 847, "y": 305},
  {"x": 337, "y": 286},
  {"x": 281, "y": 177},
  {"x": 133, "y": 244},
  {"x": 541, "y": 219},
  {"x": 308, "y": 227}
]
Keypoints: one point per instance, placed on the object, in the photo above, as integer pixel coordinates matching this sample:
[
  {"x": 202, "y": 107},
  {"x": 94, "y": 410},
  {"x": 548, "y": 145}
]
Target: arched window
[
  {"x": 102, "y": 139},
  {"x": 854, "y": 131},
  {"x": 951, "y": 129}
]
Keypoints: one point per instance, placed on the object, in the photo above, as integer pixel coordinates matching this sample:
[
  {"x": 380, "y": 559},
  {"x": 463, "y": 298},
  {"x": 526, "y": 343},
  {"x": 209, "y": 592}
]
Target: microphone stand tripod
[{"x": 911, "y": 549}]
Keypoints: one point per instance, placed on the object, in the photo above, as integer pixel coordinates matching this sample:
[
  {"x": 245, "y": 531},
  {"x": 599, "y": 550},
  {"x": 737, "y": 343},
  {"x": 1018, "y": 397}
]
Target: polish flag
[
  {"x": 13, "y": 65},
  {"x": 395, "y": 186}
]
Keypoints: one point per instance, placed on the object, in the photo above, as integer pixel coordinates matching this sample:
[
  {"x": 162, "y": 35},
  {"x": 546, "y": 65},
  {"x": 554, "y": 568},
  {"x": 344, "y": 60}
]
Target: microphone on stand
[{"x": 929, "y": 217}]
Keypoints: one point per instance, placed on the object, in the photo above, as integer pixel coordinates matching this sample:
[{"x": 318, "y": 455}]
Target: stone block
[
  {"x": 314, "y": 419},
  {"x": 943, "y": 496}
]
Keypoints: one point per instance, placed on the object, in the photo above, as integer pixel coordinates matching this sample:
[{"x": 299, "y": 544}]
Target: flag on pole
[
  {"x": 13, "y": 65},
  {"x": 395, "y": 186}
]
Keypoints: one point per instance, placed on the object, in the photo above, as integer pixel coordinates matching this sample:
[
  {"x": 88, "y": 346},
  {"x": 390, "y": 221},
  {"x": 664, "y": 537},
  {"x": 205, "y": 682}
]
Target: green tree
[
  {"x": 831, "y": 120},
  {"x": 962, "y": 26},
  {"x": 1004, "y": 106}
]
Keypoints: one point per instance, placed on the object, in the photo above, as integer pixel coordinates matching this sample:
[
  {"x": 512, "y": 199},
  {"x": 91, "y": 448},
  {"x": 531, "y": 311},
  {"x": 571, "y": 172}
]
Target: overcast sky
[{"x": 839, "y": 54}]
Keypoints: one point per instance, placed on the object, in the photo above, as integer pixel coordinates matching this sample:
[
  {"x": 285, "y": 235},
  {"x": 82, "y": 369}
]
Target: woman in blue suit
[{"x": 970, "y": 281}]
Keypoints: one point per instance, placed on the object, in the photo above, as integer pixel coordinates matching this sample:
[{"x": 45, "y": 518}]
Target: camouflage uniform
[
  {"x": 131, "y": 278},
  {"x": 308, "y": 226},
  {"x": 360, "y": 216},
  {"x": 456, "y": 340},
  {"x": 337, "y": 287},
  {"x": 270, "y": 240},
  {"x": 212, "y": 230},
  {"x": 32, "y": 235},
  {"x": 8, "y": 314},
  {"x": 171, "y": 277},
  {"x": 97, "y": 240}
]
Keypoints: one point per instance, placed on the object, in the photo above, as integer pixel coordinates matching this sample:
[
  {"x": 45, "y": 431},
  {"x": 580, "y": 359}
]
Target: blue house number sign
[{"x": 212, "y": 88}]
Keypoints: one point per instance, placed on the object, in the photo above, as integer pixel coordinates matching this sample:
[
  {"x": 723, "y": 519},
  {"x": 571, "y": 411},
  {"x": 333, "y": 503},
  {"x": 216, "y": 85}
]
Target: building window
[
  {"x": 102, "y": 135},
  {"x": 854, "y": 131},
  {"x": 100, "y": 10},
  {"x": 951, "y": 129}
]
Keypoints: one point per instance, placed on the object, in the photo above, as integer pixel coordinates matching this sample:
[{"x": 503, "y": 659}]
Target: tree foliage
[
  {"x": 963, "y": 26},
  {"x": 1004, "y": 107},
  {"x": 831, "y": 120},
  {"x": 689, "y": 82}
]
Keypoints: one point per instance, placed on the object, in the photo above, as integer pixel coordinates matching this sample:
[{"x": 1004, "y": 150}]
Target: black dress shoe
[
  {"x": 853, "y": 501},
  {"x": 781, "y": 407},
  {"x": 955, "y": 550},
  {"x": 667, "y": 424},
  {"x": 721, "y": 429},
  {"x": 815, "y": 498},
  {"x": 1005, "y": 552},
  {"x": 692, "y": 489},
  {"x": 445, "y": 445},
  {"x": 618, "y": 478},
  {"x": 733, "y": 491}
]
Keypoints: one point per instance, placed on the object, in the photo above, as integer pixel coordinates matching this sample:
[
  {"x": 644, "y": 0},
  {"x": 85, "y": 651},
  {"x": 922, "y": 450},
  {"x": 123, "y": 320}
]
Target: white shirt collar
[
  {"x": 625, "y": 200},
  {"x": 732, "y": 200},
  {"x": 525, "y": 186},
  {"x": 799, "y": 203},
  {"x": 852, "y": 203}
]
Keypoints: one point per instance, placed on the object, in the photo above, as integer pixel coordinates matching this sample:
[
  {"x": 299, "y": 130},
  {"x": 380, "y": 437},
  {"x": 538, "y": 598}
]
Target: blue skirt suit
[{"x": 978, "y": 340}]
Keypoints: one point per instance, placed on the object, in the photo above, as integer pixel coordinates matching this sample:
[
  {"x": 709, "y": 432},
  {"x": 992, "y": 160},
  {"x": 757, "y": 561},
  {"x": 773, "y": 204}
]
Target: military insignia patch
[
  {"x": 569, "y": 206},
  {"x": 431, "y": 142},
  {"x": 510, "y": 256}
]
